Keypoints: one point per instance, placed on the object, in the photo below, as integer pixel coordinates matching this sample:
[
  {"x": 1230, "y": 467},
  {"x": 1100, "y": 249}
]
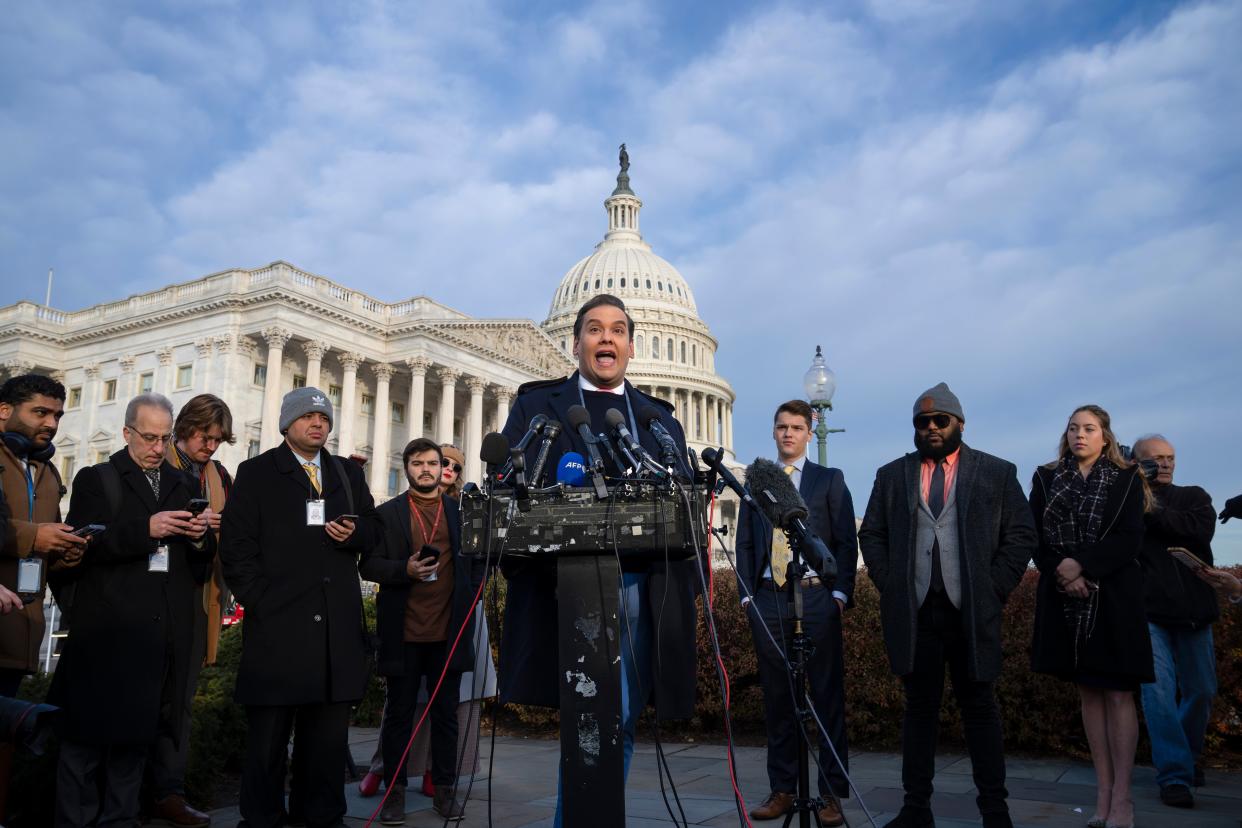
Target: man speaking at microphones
[
  {"x": 763, "y": 558},
  {"x": 656, "y": 598}
]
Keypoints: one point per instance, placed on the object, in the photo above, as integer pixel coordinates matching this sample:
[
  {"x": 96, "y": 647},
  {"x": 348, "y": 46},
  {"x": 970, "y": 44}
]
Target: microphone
[
  {"x": 521, "y": 494},
  {"x": 783, "y": 506},
  {"x": 631, "y": 448},
  {"x": 580, "y": 419},
  {"x": 670, "y": 455},
  {"x": 537, "y": 423},
  {"x": 602, "y": 439},
  {"x": 550, "y": 432},
  {"x": 712, "y": 458},
  {"x": 493, "y": 451},
  {"x": 571, "y": 470}
]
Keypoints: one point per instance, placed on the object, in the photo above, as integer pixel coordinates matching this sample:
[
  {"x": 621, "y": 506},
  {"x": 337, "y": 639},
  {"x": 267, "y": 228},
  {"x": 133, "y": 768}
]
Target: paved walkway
[{"x": 1043, "y": 792}]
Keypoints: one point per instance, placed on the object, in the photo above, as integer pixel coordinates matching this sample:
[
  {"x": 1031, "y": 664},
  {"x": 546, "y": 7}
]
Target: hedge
[{"x": 1039, "y": 713}]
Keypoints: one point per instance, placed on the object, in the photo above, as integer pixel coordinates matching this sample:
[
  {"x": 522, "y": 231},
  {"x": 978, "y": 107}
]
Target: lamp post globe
[{"x": 820, "y": 384}]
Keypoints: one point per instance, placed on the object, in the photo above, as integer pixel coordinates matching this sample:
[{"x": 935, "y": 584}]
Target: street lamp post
[{"x": 820, "y": 384}]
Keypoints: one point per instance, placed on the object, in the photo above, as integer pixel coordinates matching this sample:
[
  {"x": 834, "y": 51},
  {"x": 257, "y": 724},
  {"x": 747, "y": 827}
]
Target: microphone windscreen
[
  {"x": 614, "y": 418},
  {"x": 711, "y": 457},
  {"x": 648, "y": 413},
  {"x": 537, "y": 422},
  {"x": 552, "y": 430},
  {"x": 765, "y": 476},
  {"x": 579, "y": 416},
  {"x": 495, "y": 449},
  {"x": 571, "y": 470}
]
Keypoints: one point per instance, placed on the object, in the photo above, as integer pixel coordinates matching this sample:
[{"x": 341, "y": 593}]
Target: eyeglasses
[
  {"x": 924, "y": 421},
  {"x": 152, "y": 439}
]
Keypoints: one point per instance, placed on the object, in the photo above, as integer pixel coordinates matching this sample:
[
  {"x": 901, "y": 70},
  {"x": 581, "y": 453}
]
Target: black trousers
[
  {"x": 423, "y": 660},
  {"x": 167, "y": 759},
  {"x": 322, "y": 736},
  {"x": 84, "y": 771},
  {"x": 940, "y": 640},
  {"x": 825, "y": 682}
]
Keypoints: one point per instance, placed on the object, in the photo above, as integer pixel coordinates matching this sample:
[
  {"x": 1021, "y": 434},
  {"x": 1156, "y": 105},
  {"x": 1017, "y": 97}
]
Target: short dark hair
[
  {"x": 419, "y": 445},
  {"x": 595, "y": 302},
  {"x": 798, "y": 408},
  {"x": 17, "y": 390},
  {"x": 200, "y": 414}
]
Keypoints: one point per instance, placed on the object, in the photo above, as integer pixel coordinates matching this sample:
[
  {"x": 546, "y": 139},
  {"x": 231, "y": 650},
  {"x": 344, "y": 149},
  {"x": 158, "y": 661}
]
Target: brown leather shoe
[
  {"x": 831, "y": 815},
  {"x": 777, "y": 804},
  {"x": 447, "y": 805},
  {"x": 174, "y": 810}
]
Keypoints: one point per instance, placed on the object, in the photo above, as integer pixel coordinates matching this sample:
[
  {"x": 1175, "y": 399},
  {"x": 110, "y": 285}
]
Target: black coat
[
  {"x": 997, "y": 539},
  {"x": 1120, "y": 645},
  {"x": 528, "y": 648},
  {"x": 830, "y": 516},
  {"x": 385, "y": 563},
  {"x": 129, "y": 624},
  {"x": 1176, "y": 597},
  {"x": 302, "y": 638}
]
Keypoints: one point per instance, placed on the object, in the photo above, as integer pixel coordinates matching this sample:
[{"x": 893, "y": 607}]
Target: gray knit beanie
[
  {"x": 939, "y": 398},
  {"x": 301, "y": 401}
]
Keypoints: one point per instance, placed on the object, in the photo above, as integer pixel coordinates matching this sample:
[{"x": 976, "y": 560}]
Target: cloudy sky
[{"x": 1038, "y": 203}]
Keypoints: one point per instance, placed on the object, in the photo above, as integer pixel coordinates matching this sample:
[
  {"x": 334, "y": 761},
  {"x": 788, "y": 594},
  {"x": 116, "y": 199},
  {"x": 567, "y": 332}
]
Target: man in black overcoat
[
  {"x": 946, "y": 538},
  {"x": 290, "y": 548},
  {"x": 657, "y": 598},
  {"x": 424, "y": 616},
  {"x": 762, "y": 559},
  {"x": 122, "y": 676}
]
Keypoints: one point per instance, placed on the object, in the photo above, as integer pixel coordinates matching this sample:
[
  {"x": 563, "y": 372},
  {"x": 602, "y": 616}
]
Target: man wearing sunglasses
[{"x": 946, "y": 538}]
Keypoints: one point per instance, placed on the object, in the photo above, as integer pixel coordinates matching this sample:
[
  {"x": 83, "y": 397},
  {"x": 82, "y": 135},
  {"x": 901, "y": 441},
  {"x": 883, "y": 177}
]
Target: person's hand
[
  {"x": 340, "y": 529},
  {"x": 9, "y": 600},
  {"x": 200, "y": 524},
  {"x": 1067, "y": 571},
  {"x": 57, "y": 539},
  {"x": 840, "y": 607},
  {"x": 419, "y": 569},
  {"x": 1222, "y": 581},
  {"x": 178, "y": 522},
  {"x": 1077, "y": 588},
  {"x": 1233, "y": 508},
  {"x": 212, "y": 518}
]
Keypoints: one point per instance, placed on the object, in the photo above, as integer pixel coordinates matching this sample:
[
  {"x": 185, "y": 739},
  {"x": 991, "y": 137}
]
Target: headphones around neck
[{"x": 23, "y": 447}]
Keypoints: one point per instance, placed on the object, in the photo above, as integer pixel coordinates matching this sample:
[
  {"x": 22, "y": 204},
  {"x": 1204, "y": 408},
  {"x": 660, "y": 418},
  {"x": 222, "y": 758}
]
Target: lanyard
[
  {"x": 30, "y": 491},
  {"x": 629, "y": 408},
  {"x": 422, "y": 527}
]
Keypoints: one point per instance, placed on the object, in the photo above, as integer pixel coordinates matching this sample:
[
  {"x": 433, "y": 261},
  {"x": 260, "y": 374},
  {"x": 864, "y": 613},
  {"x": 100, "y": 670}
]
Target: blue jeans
[
  {"x": 1185, "y": 666},
  {"x": 636, "y": 633}
]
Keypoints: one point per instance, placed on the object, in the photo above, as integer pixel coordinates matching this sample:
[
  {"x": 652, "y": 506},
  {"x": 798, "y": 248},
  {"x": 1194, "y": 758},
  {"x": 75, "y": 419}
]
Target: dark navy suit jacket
[{"x": 830, "y": 516}]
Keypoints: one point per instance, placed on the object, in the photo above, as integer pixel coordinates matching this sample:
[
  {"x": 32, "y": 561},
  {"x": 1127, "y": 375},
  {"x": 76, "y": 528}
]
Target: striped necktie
[
  {"x": 312, "y": 471},
  {"x": 780, "y": 548}
]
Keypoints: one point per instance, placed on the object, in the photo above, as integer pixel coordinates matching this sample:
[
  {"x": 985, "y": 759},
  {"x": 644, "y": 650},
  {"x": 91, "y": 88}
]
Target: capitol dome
[{"x": 674, "y": 350}]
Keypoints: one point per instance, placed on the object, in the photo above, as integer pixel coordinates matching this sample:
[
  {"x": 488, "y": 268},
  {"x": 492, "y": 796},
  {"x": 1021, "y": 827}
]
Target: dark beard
[
  {"x": 424, "y": 490},
  {"x": 952, "y": 441}
]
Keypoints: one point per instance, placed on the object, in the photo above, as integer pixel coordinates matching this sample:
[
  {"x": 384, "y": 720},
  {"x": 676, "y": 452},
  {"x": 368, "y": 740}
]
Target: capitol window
[
  {"x": 368, "y": 405},
  {"x": 75, "y": 397},
  {"x": 146, "y": 381},
  {"x": 694, "y": 354},
  {"x": 299, "y": 381},
  {"x": 622, "y": 281},
  {"x": 648, "y": 284},
  {"x": 610, "y": 283},
  {"x": 683, "y": 353},
  {"x": 398, "y": 412},
  {"x": 660, "y": 285},
  {"x": 670, "y": 349},
  {"x": 109, "y": 390},
  {"x": 597, "y": 284},
  {"x": 394, "y": 480},
  {"x": 638, "y": 346},
  {"x": 655, "y": 347},
  {"x": 260, "y": 374},
  {"x": 185, "y": 375},
  {"x": 334, "y": 394}
]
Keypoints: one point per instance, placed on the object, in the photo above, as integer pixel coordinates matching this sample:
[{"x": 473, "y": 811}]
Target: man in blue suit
[
  {"x": 762, "y": 558},
  {"x": 656, "y": 598}
]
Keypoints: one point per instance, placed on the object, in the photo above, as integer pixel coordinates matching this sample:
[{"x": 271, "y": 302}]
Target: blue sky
[{"x": 1037, "y": 203}]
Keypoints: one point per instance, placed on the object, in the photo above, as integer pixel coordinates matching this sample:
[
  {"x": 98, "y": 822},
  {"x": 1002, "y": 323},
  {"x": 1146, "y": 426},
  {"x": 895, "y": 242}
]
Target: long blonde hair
[{"x": 1112, "y": 450}]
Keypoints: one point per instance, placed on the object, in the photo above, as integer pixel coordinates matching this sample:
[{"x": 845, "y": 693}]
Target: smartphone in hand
[
  {"x": 197, "y": 505},
  {"x": 88, "y": 531}
]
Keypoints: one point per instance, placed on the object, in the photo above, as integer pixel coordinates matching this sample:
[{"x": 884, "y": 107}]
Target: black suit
[
  {"x": 303, "y": 654},
  {"x": 123, "y": 675},
  {"x": 831, "y": 518},
  {"x": 996, "y": 538},
  {"x": 406, "y": 664}
]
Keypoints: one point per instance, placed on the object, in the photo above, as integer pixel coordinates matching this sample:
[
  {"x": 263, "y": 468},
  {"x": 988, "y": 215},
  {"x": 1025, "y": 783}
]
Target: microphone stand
[{"x": 801, "y": 648}]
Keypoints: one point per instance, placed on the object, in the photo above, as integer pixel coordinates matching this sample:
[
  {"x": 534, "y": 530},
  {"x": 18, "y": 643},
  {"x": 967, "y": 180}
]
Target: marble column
[
  {"x": 224, "y": 354},
  {"x": 269, "y": 430},
  {"x": 474, "y": 433},
  {"x": 729, "y": 426},
  {"x": 383, "y": 430},
  {"x": 314, "y": 361},
  {"x": 202, "y": 367},
  {"x": 127, "y": 383},
  {"x": 163, "y": 377},
  {"x": 349, "y": 403},
  {"x": 414, "y": 411},
  {"x": 448, "y": 391},
  {"x": 504, "y": 397},
  {"x": 90, "y": 403}
]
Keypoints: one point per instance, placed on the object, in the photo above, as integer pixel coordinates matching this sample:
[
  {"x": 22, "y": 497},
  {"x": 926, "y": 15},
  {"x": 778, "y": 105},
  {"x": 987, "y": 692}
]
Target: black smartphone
[
  {"x": 339, "y": 518},
  {"x": 88, "y": 530},
  {"x": 428, "y": 553},
  {"x": 197, "y": 505}
]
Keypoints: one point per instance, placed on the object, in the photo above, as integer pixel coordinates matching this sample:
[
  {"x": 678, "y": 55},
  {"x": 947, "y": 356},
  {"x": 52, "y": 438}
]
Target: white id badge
[
  {"x": 157, "y": 561},
  {"x": 29, "y": 574},
  {"x": 315, "y": 512}
]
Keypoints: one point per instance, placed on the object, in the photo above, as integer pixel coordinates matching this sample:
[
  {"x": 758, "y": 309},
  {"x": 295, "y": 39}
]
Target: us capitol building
[{"x": 394, "y": 371}]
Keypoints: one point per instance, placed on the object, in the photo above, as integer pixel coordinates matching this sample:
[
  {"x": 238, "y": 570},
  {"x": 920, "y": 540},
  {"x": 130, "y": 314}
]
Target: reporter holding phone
[
  {"x": 123, "y": 674},
  {"x": 292, "y": 561}
]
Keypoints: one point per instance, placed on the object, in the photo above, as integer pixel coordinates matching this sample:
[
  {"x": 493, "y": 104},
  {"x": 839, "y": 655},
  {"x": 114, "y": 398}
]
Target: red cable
[{"x": 447, "y": 661}]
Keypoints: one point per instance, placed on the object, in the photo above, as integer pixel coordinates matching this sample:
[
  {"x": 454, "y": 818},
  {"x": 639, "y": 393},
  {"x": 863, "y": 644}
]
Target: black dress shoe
[
  {"x": 1177, "y": 796},
  {"x": 909, "y": 817}
]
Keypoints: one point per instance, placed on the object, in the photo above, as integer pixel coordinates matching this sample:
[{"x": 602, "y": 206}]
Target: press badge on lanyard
[
  {"x": 157, "y": 561},
  {"x": 29, "y": 574},
  {"x": 315, "y": 512}
]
